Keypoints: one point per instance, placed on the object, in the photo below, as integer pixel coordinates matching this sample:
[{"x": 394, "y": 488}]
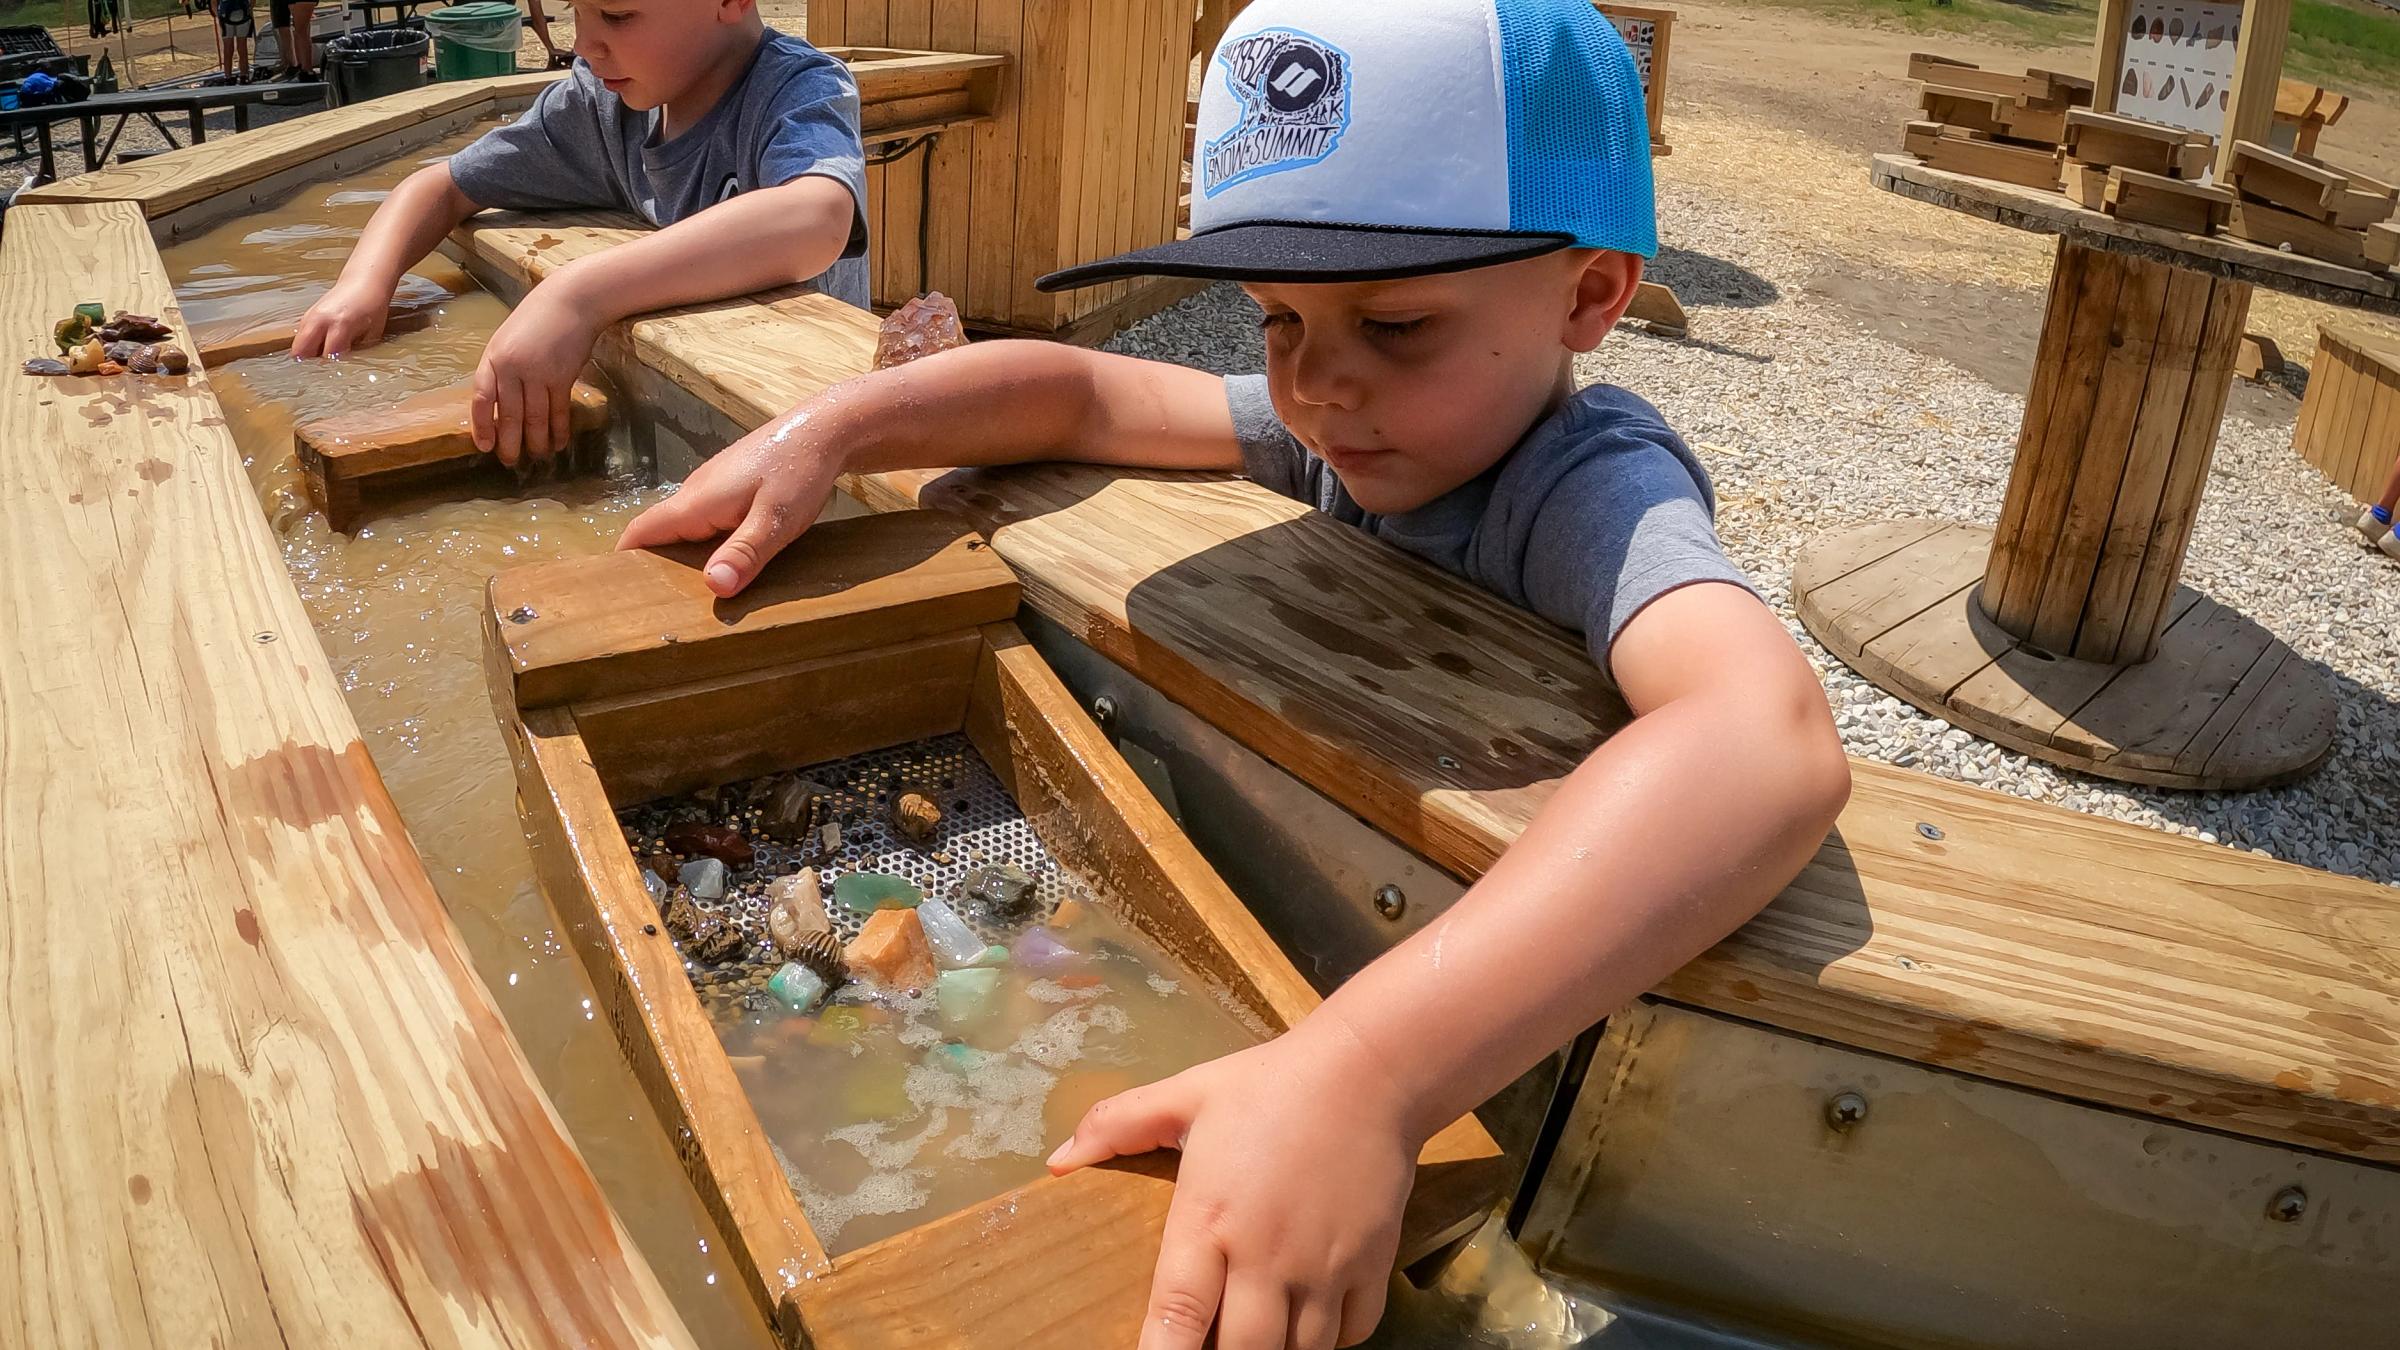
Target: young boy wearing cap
[
  {"x": 1436, "y": 206},
  {"x": 740, "y": 143}
]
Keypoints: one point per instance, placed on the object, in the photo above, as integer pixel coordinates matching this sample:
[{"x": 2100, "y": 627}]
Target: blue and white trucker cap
[{"x": 1357, "y": 140}]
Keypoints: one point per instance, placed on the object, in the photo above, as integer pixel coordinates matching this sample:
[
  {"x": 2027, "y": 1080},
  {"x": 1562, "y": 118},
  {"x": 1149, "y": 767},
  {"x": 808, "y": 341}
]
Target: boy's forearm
[
  {"x": 1647, "y": 855},
  {"x": 754, "y": 242},
  {"x": 1013, "y": 401},
  {"x": 417, "y": 217}
]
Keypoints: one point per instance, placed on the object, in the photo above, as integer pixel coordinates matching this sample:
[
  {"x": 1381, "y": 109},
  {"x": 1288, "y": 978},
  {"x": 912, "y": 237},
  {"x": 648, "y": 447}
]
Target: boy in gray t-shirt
[
  {"x": 1436, "y": 206},
  {"x": 740, "y": 144}
]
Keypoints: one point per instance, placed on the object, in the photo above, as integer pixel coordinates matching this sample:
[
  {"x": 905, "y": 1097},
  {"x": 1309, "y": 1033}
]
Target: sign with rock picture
[{"x": 2179, "y": 64}]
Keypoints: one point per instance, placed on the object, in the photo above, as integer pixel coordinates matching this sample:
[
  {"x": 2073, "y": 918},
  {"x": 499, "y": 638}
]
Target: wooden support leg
[{"x": 2135, "y": 362}]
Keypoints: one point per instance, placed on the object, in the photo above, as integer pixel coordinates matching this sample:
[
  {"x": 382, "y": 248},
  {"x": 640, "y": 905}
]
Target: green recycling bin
[{"x": 474, "y": 40}]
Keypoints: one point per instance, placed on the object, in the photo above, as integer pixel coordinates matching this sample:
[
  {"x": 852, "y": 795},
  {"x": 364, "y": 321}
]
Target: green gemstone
[
  {"x": 994, "y": 955},
  {"x": 867, "y": 892},
  {"x": 92, "y": 312},
  {"x": 965, "y": 995}
]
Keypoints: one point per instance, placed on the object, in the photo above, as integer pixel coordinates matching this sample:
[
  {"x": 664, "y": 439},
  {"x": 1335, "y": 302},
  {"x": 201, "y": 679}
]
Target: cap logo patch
[{"x": 1295, "y": 95}]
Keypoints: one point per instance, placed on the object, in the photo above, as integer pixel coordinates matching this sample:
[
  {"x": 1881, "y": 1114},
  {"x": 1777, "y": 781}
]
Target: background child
[
  {"x": 1436, "y": 206},
  {"x": 741, "y": 144},
  {"x": 234, "y": 29}
]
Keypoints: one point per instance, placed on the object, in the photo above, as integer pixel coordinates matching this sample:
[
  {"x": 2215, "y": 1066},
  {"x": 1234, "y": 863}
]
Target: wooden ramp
[
  {"x": 1941, "y": 923},
  {"x": 255, "y": 1093}
]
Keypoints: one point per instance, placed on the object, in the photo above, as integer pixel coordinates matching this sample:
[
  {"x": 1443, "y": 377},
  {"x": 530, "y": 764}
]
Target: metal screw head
[
  {"x": 1104, "y": 711},
  {"x": 1445, "y": 761},
  {"x": 2288, "y": 1205},
  {"x": 1845, "y": 1110},
  {"x": 262, "y": 639},
  {"x": 1929, "y": 829},
  {"x": 1390, "y": 901}
]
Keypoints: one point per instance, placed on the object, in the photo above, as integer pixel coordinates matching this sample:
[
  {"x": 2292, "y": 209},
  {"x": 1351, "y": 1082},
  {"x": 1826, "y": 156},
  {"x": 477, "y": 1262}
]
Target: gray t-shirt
[
  {"x": 794, "y": 112},
  {"x": 1598, "y": 511}
]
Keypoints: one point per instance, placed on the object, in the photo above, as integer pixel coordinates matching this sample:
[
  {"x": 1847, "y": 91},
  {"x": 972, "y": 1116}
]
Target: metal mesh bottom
[{"x": 981, "y": 826}]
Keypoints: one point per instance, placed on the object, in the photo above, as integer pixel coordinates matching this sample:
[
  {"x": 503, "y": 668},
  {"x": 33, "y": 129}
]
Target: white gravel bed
[{"x": 1809, "y": 423}]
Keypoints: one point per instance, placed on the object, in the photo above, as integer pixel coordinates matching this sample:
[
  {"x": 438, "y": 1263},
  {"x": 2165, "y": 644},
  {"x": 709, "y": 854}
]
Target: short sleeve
[
  {"x": 1271, "y": 457},
  {"x": 815, "y": 132},
  {"x": 1627, "y": 523},
  {"x": 551, "y": 158}
]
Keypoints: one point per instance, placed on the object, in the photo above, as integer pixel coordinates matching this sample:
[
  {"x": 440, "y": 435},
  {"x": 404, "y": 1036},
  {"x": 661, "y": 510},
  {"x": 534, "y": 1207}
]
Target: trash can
[
  {"x": 474, "y": 40},
  {"x": 373, "y": 62}
]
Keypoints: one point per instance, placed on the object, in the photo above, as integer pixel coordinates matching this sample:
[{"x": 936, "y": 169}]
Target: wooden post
[
  {"x": 2135, "y": 362},
  {"x": 2257, "y": 75}
]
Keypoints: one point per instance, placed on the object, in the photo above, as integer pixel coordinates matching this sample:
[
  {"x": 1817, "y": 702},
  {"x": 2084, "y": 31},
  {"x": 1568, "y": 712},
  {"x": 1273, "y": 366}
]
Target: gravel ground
[{"x": 1809, "y": 422}]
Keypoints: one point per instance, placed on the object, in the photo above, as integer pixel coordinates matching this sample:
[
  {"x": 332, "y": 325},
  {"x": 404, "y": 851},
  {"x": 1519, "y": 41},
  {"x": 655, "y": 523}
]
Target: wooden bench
[
  {"x": 2349, "y": 424},
  {"x": 1941, "y": 923}
]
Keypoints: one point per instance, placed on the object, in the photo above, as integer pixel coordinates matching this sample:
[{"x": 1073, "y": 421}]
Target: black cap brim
[{"x": 1292, "y": 251}]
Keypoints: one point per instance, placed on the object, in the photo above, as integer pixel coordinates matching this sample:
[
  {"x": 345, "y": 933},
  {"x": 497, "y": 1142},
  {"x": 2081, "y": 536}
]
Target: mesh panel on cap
[{"x": 1578, "y": 137}]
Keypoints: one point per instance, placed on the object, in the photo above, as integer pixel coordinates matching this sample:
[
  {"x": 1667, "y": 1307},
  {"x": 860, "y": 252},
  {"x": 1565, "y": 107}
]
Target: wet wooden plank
[{"x": 256, "y": 1093}]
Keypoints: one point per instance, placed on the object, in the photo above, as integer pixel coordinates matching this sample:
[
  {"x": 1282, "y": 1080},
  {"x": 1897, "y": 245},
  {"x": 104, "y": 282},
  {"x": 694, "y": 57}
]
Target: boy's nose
[{"x": 1323, "y": 375}]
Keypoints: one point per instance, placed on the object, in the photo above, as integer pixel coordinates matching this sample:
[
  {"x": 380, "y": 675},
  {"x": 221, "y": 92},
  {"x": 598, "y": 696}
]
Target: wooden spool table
[{"x": 2063, "y": 632}]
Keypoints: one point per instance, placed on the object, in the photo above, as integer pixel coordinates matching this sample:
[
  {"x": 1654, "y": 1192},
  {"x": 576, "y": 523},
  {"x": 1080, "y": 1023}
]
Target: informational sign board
[
  {"x": 2179, "y": 66},
  {"x": 1647, "y": 32}
]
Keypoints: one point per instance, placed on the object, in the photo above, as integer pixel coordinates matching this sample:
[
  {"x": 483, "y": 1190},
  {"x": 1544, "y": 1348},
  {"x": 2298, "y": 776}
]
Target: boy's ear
[
  {"x": 1604, "y": 287},
  {"x": 735, "y": 11}
]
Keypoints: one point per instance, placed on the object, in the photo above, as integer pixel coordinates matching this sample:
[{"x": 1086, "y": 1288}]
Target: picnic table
[
  {"x": 402, "y": 11},
  {"x": 194, "y": 104},
  {"x": 2064, "y": 631}
]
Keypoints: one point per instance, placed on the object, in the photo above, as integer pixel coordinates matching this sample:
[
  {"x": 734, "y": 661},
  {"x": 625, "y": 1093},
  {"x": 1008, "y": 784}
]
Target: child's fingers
[
  {"x": 1129, "y": 1123},
  {"x": 486, "y": 403},
  {"x": 508, "y": 419},
  {"x": 1362, "y": 1308},
  {"x": 676, "y": 520},
  {"x": 1257, "y": 1313},
  {"x": 1184, "y": 1286},
  {"x": 560, "y": 395},
  {"x": 771, "y": 523},
  {"x": 1316, "y": 1320}
]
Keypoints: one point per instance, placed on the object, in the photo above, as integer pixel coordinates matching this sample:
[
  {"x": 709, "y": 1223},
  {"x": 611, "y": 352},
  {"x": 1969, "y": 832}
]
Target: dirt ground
[{"x": 1783, "y": 107}]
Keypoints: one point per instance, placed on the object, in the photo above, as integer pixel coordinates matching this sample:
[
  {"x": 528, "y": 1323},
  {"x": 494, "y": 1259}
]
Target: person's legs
[
  {"x": 302, "y": 55},
  {"x": 281, "y": 11}
]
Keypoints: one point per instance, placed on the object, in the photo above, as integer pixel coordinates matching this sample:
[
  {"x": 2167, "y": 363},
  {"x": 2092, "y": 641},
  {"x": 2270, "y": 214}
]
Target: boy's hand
[
  {"x": 345, "y": 318},
  {"x": 764, "y": 491},
  {"x": 523, "y": 384},
  {"x": 1286, "y": 1217}
]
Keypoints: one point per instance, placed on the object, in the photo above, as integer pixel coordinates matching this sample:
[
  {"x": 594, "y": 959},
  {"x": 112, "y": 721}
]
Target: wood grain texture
[
  {"x": 586, "y": 628},
  {"x": 256, "y": 1094},
  {"x": 1061, "y": 173},
  {"x": 1906, "y": 619},
  {"x": 164, "y": 183},
  {"x": 354, "y": 460},
  {"x": 2220, "y": 255}
]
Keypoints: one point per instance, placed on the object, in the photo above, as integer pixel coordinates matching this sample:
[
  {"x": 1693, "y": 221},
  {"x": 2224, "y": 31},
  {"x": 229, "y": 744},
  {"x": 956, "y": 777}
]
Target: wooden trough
[
  {"x": 620, "y": 678},
  {"x": 2178, "y": 1058}
]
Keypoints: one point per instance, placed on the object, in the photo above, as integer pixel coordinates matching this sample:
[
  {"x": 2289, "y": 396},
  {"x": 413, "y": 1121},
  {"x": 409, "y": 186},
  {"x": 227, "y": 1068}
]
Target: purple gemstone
[{"x": 1040, "y": 952}]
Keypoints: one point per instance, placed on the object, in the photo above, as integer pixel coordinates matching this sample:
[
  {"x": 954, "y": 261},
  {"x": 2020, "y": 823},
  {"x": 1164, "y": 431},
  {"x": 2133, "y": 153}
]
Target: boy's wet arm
[
  {"x": 1670, "y": 835},
  {"x": 757, "y": 241}
]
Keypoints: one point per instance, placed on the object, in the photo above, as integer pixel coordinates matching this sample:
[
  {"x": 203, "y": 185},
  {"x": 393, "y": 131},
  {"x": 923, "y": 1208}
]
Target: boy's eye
[
  {"x": 613, "y": 20},
  {"x": 1271, "y": 321},
  {"x": 1391, "y": 328}
]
